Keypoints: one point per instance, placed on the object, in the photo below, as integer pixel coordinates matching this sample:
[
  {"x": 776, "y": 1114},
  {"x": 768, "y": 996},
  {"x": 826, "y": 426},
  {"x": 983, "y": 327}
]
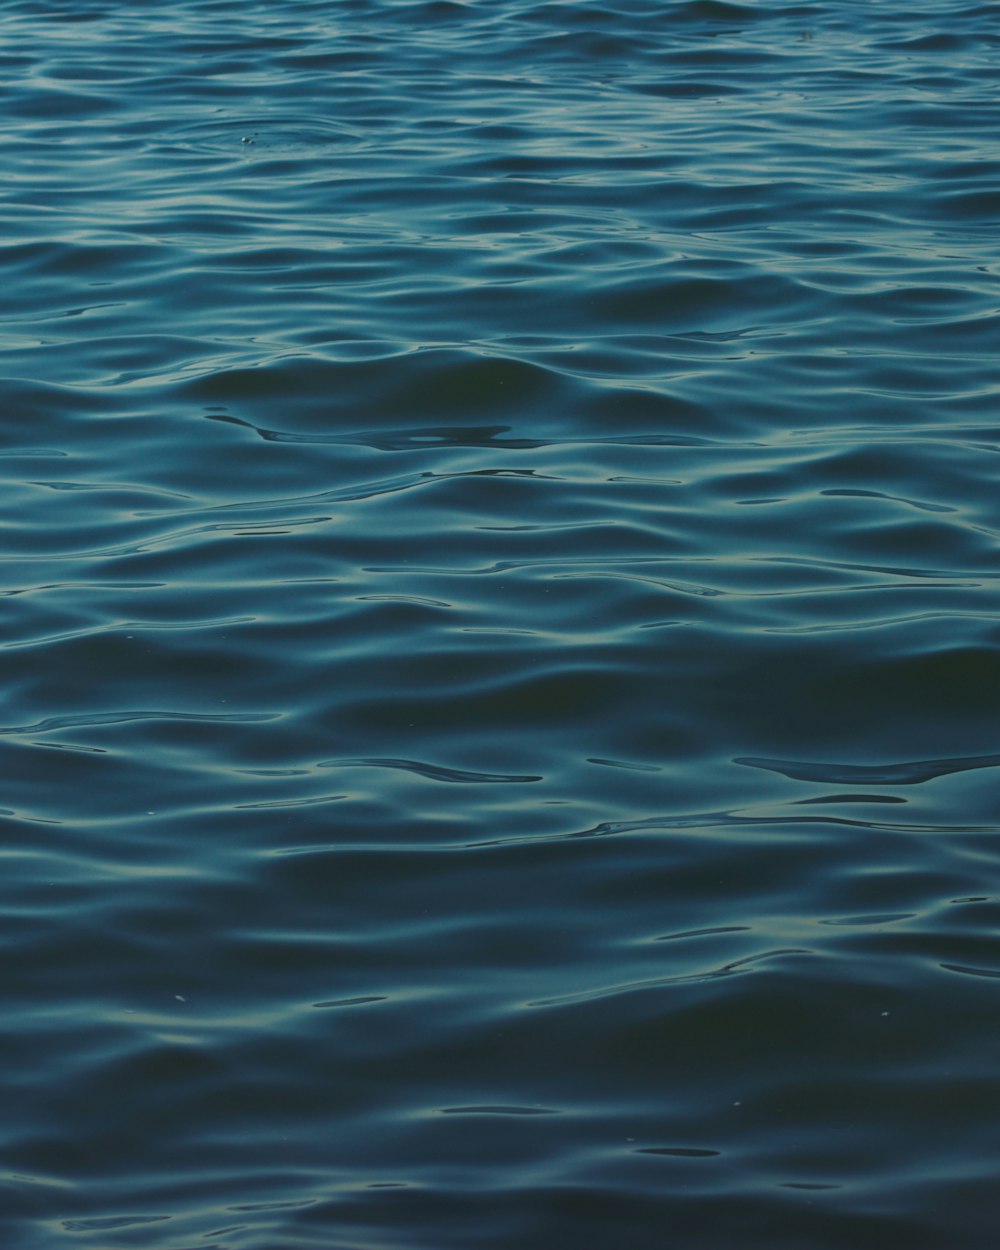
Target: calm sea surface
[{"x": 500, "y": 625}]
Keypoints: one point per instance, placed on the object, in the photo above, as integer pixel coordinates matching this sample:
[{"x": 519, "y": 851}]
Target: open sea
[{"x": 500, "y": 625}]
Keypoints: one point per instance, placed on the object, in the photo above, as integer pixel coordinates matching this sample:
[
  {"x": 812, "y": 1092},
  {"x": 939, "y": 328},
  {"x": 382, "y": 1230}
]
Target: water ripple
[
  {"x": 433, "y": 772},
  {"x": 905, "y": 774},
  {"x": 566, "y": 431}
]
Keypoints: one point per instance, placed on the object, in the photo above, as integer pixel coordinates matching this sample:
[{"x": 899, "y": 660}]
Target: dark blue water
[{"x": 500, "y": 625}]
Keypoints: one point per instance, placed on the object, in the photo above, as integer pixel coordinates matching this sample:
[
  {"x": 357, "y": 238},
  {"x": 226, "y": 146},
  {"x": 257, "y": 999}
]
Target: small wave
[
  {"x": 692, "y": 933},
  {"x": 498, "y": 1110},
  {"x": 679, "y": 1152},
  {"x": 904, "y": 774},
  {"x": 433, "y": 772},
  {"x": 111, "y": 1223},
  {"x": 124, "y": 718},
  {"x": 362, "y": 1001},
  {"x": 992, "y": 973},
  {"x": 732, "y": 968}
]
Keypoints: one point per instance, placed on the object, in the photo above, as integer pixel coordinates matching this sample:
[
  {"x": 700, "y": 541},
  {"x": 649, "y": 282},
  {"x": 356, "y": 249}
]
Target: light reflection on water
[{"x": 499, "y": 625}]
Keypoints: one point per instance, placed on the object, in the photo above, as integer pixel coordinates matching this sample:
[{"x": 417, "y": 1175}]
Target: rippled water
[{"x": 500, "y": 625}]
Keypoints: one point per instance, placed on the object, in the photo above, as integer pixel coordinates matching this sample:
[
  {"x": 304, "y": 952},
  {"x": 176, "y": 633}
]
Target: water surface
[{"x": 500, "y": 624}]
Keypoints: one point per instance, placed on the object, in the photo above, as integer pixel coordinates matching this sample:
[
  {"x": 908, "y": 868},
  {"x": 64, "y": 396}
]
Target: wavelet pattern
[{"x": 499, "y": 625}]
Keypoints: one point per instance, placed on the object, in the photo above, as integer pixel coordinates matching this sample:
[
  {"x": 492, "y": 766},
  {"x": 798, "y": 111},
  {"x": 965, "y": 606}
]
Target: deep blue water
[{"x": 499, "y": 625}]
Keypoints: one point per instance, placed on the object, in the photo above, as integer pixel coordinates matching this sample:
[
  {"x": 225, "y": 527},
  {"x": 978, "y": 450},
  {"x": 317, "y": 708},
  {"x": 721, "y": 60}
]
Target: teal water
[{"x": 499, "y": 625}]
